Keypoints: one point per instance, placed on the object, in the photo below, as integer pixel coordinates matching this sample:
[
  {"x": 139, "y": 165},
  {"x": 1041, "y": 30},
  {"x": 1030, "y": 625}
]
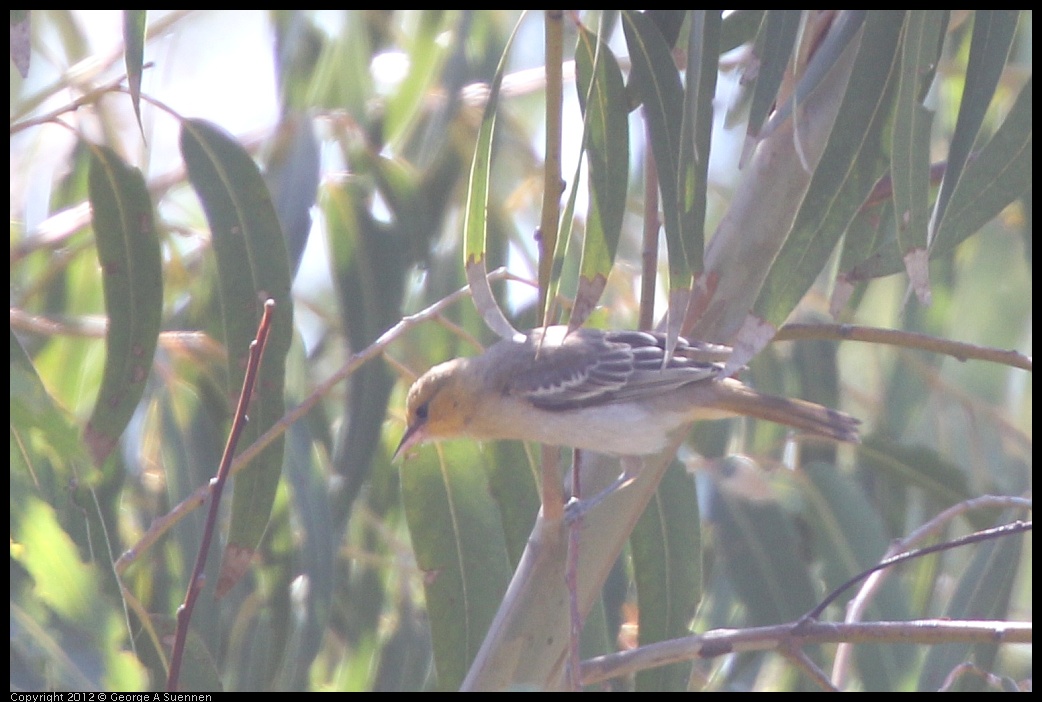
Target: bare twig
[
  {"x": 195, "y": 582},
  {"x": 788, "y": 639},
  {"x": 976, "y": 537},
  {"x": 551, "y": 210},
  {"x": 575, "y": 618},
  {"x": 769, "y": 638},
  {"x": 799, "y": 658},
  {"x": 859, "y": 603},
  {"x": 904, "y": 339}
]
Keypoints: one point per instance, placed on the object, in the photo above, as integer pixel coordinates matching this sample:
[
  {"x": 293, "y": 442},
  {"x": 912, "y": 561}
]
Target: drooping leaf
[
  {"x": 853, "y": 160},
  {"x": 982, "y": 592},
  {"x": 910, "y": 155},
  {"x": 668, "y": 23},
  {"x": 368, "y": 270},
  {"x": 850, "y": 537},
  {"x": 475, "y": 222},
  {"x": 739, "y": 27},
  {"x": 292, "y": 176},
  {"x": 696, "y": 129},
  {"x": 134, "y": 55},
  {"x": 457, "y": 538},
  {"x": 252, "y": 267},
  {"x": 426, "y": 53},
  {"x": 132, "y": 277},
  {"x": 667, "y": 565},
  {"x": 989, "y": 48},
  {"x": 774, "y": 48},
  {"x": 703, "y": 58},
  {"x": 997, "y": 175},
  {"x": 844, "y": 30},
  {"x": 656, "y": 81},
  {"x": 606, "y": 141},
  {"x": 760, "y": 546}
]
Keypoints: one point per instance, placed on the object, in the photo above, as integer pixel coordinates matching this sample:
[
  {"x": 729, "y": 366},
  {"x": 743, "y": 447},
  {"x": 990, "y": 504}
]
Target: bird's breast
[{"x": 622, "y": 429}]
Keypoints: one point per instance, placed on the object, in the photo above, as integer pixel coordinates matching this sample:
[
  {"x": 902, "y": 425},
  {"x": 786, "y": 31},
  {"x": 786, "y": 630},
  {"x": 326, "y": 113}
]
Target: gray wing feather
[{"x": 592, "y": 368}]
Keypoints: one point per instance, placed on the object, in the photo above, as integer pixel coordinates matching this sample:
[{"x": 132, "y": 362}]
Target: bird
[{"x": 614, "y": 392}]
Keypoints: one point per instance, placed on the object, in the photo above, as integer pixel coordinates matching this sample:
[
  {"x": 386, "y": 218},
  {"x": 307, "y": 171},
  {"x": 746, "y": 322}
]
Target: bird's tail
[{"x": 736, "y": 398}]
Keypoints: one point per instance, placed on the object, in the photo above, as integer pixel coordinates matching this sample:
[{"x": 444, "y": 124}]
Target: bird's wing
[{"x": 591, "y": 368}]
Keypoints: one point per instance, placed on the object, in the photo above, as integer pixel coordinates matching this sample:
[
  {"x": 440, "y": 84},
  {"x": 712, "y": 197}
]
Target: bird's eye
[{"x": 422, "y": 411}]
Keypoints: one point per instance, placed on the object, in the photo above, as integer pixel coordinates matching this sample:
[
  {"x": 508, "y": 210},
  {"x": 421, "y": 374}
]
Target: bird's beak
[{"x": 413, "y": 435}]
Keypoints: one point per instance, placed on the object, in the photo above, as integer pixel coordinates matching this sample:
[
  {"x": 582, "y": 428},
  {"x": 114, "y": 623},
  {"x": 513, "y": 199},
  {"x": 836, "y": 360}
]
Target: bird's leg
[{"x": 576, "y": 508}]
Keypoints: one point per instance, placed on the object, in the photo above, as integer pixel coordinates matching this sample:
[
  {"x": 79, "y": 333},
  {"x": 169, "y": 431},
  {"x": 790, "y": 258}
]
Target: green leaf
[
  {"x": 993, "y": 32},
  {"x": 368, "y": 270},
  {"x": 34, "y": 639},
  {"x": 292, "y": 174},
  {"x": 774, "y": 48},
  {"x": 840, "y": 36},
  {"x": 320, "y": 537},
  {"x": 666, "y": 548},
  {"x": 739, "y": 27},
  {"x": 134, "y": 56},
  {"x": 918, "y": 466},
  {"x": 703, "y": 58},
  {"x": 668, "y": 23},
  {"x": 426, "y": 53},
  {"x": 563, "y": 268},
  {"x": 475, "y": 220},
  {"x": 44, "y": 439},
  {"x": 982, "y": 592},
  {"x": 997, "y": 176},
  {"x": 63, "y": 582},
  {"x": 602, "y": 97},
  {"x": 132, "y": 277},
  {"x": 853, "y": 160},
  {"x": 68, "y": 626},
  {"x": 849, "y": 537},
  {"x": 513, "y": 485},
  {"x": 656, "y": 81},
  {"x": 763, "y": 552},
  {"x": 458, "y": 541},
  {"x": 921, "y": 43},
  {"x": 910, "y": 156},
  {"x": 252, "y": 267}
]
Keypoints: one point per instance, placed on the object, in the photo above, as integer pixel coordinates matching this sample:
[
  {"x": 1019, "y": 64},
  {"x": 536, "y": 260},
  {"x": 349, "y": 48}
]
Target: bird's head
[{"x": 439, "y": 405}]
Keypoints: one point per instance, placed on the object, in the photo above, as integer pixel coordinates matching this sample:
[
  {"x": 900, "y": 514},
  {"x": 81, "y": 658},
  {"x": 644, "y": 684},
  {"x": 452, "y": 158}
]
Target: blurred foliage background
[{"x": 324, "y": 159}]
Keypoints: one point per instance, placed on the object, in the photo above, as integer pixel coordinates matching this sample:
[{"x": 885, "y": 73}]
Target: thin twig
[
  {"x": 195, "y": 582},
  {"x": 572, "y": 577},
  {"x": 790, "y": 637},
  {"x": 87, "y": 98},
  {"x": 859, "y": 603},
  {"x": 912, "y": 340},
  {"x": 800, "y": 660},
  {"x": 770, "y": 638},
  {"x": 550, "y": 216},
  {"x": 1016, "y": 527},
  {"x": 88, "y": 68}
]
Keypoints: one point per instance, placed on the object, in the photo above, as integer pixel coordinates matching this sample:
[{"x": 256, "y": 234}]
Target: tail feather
[{"x": 740, "y": 399}]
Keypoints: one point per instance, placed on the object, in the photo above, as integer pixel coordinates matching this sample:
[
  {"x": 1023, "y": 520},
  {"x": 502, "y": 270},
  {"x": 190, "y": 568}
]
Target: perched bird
[{"x": 605, "y": 391}]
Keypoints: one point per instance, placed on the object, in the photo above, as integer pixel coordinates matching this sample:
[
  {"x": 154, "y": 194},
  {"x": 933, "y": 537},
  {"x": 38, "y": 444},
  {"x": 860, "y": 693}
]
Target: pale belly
[{"x": 621, "y": 430}]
